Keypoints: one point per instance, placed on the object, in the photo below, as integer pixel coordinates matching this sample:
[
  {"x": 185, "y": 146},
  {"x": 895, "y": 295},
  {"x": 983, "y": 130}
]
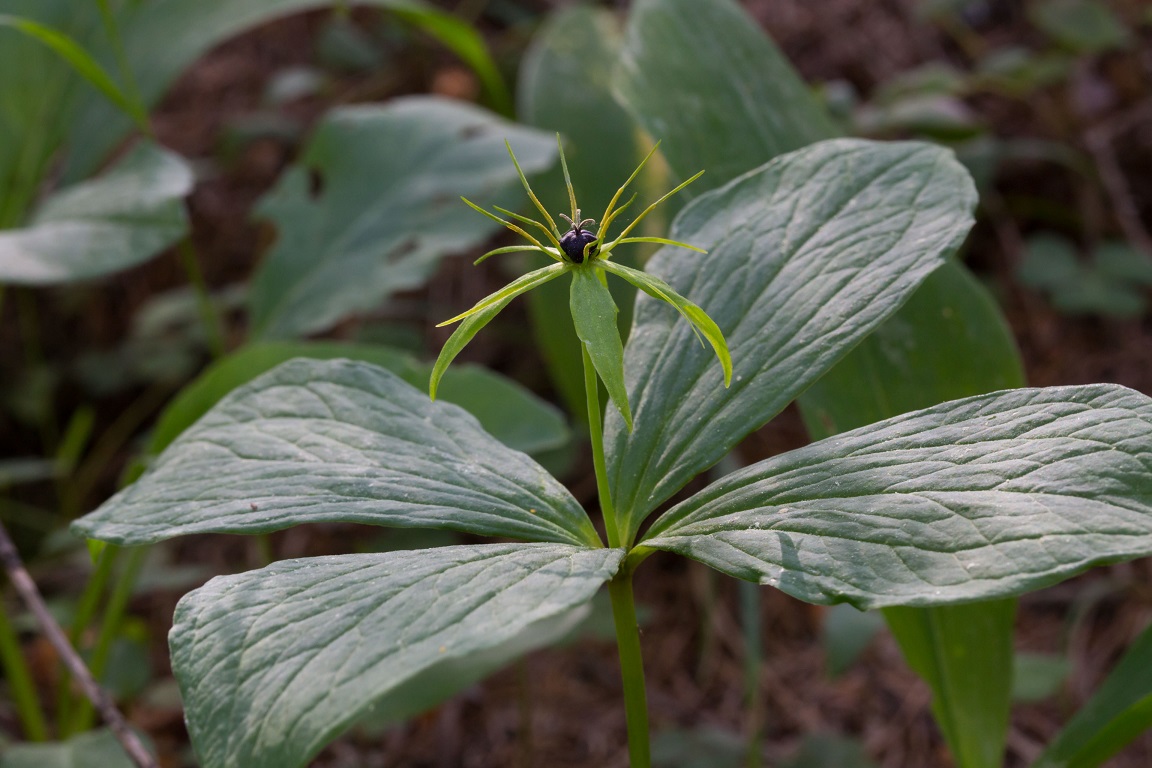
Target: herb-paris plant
[
  {"x": 978, "y": 498},
  {"x": 586, "y": 256}
]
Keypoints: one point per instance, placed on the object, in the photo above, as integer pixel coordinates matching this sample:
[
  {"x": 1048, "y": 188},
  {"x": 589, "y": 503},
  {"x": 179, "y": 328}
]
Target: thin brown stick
[
  {"x": 20, "y": 579},
  {"x": 1099, "y": 143}
]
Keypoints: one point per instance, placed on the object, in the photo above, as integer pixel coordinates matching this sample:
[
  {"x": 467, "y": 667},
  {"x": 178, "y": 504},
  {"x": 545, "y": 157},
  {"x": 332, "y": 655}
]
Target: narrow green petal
[
  {"x": 518, "y": 286},
  {"x": 661, "y": 241},
  {"x": 594, "y": 316},
  {"x": 652, "y": 207},
  {"x": 525, "y": 220},
  {"x": 518, "y": 230},
  {"x": 608, "y": 213},
  {"x": 518, "y": 249},
  {"x": 531, "y": 195},
  {"x": 701, "y": 323},
  {"x": 608, "y": 221},
  {"x": 567, "y": 179},
  {"x": 459, "y": 339}
]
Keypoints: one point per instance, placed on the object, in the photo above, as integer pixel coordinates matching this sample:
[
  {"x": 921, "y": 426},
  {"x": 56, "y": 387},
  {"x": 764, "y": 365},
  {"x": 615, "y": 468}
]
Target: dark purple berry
[{"x": 573, "y": 243}]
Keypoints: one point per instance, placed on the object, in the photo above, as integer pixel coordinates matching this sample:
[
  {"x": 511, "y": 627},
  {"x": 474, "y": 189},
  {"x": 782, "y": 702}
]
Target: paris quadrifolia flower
[{"x": 585, "y": 254}]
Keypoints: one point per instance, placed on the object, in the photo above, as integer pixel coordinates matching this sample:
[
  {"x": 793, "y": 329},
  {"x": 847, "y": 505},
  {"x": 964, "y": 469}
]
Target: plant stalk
[
  {"x": 18, "y": 574},
  {"x": 631, "y": 667},
  {"x": 596, "y": 433},
  {"x": 213, "y": 324},
  {"x": 83, "y": 716},
  {"x": 85, "y": 612},
  {"x": 619, "y": 589},
  {"x": 20, "y": 683}
]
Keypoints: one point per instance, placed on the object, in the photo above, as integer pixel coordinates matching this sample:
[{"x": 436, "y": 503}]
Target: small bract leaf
[
  {"x": 594, "y": 315},
  {"x": 658, "y": 289},
  {"x": 520, "y": 285},
  {"x": 98, "y": 227},
  {"x": 806, "y": 256},
  {"x": 338, "y": 441},
  {"x": 986, "y": 497},
  {"x": 459, "y": 339},
  {"x": 274, "y": 663}
]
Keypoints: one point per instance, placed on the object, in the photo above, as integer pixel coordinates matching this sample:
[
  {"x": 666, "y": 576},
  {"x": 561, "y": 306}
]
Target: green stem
[
  {"x": 84, "y": 716},
  {"x": 619, "y": 589},
  {"x": 96, "y": 463},
  {"x": 750, "y": 621},
  {"x": 631, "y": 667},
  {"x": 596, "y": 433},
  {"x": 131, "y": 90},
  {"x": 85, "y": 611},
  {"x": 20, "y": 684},
  {"x": 213, "y": 325}
]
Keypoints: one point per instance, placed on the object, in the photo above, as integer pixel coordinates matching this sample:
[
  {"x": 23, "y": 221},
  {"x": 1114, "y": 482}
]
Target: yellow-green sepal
[
  {"x": 594, "y": 317},
  {"x": 703, "y": 325}
]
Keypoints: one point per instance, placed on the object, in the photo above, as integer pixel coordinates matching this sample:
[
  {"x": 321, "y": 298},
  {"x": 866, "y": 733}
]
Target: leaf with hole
[{"x": 388, "y": 208}]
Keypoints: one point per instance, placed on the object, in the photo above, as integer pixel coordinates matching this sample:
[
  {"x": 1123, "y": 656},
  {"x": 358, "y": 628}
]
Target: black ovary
[{"x": 573, "y": 243}]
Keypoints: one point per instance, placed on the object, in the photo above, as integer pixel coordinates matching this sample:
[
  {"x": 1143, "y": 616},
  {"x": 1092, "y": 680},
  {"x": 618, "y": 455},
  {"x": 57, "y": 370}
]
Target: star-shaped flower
[{"x": 586, "y": 255}]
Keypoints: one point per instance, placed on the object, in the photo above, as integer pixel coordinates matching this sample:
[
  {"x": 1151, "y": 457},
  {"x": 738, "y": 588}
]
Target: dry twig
[
  {"x": 1099, "y": 143},
  {"x": 100, "y": 699}
]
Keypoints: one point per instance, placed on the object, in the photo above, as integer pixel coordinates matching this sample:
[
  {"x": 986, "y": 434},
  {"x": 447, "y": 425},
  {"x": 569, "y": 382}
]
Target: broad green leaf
[
  {"x": 338, "y": 441},
  {"x": 97, "y": 227},
  {"x": 948, "y": 341},
  {"x": 1085, "y": 26},
  {"x": 94, "y": 749},
  {"x": 704, "y": 79},
  {"x": 1119, "y": 711},
  {"x": 905, "y": 365},
  {"x": 564, "y": 78},
  {"x": 974, "y": 499},
  {"x": 1117, "y": 260},
  {"x": 389, "y": 209},
  {"x": 964, "y": 653},
  {"x": 594, "y": 316},
  {"x": 275, "y": 663},
  {"x": 162, "y": 39},
  {"x": 1049, "y": 261},
  {"x": 806, "y": 256},
  {"x": 507, "y": 411}
]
